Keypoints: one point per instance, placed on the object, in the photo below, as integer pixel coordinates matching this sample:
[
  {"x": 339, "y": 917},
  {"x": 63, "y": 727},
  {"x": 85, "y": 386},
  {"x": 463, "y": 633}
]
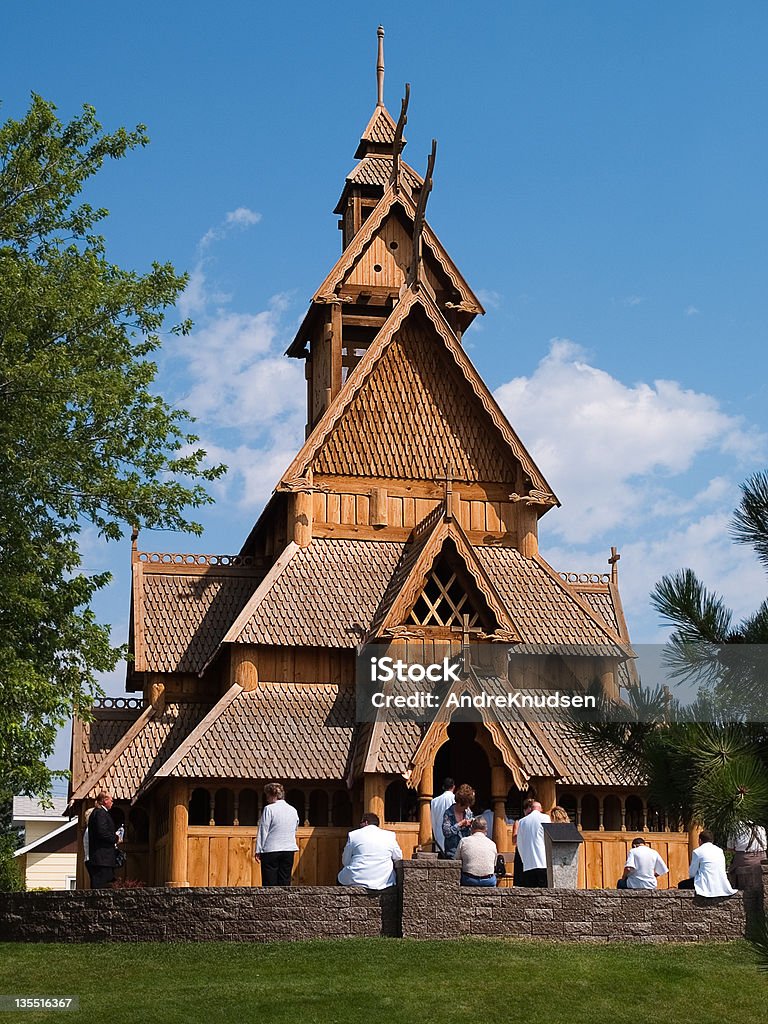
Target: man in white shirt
[
  {"x": 437, "y": 808},
  {"x": 477, "y": 855},
  {"x": 643, "y": 867},
  {"x": 369, "y": 856},
  {"x": 530, "y": 846},
  {"x": 276, "y": 839},
  {"x": 707, "y": 870}
]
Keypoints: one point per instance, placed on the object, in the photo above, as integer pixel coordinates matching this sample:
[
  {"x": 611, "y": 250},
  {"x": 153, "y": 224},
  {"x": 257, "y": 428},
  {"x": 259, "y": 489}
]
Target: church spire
[{"x": 380, "y": 68}]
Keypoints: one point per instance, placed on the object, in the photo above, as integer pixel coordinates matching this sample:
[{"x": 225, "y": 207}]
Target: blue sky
[{"x": 600, "y": 181}]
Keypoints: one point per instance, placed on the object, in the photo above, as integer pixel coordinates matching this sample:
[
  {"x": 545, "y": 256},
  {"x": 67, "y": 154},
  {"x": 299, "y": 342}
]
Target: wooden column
[
  {"x": 302, "y": 518},
  {"x": 527, "y": 531},
  {"x": 545, "y": 792},
  {"x": 81, "y": 874},
  {"x": 499, "y": 789},
  {"x": 335, "y": 342},
  {"x": 178, "y": 821},
  {"x": 373, "y": 794},
  {"x": 425, "y": 798},
  {"x": 693, "y": 837},
  {"x": 609, "y": 681},
  {"x": 152, "y": 840}
]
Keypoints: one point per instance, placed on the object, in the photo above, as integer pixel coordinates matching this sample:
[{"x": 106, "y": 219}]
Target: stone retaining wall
[
  {"x": 198, "y": 915},
  {"x": 427, "y": 904},
  {"x": 435, "y": 906}
]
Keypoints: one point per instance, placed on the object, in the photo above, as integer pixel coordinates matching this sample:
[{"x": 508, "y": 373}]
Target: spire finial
[{"x": 380, "y": 68}]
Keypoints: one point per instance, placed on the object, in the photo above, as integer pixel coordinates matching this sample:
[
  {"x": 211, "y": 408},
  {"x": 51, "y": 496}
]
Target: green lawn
[{"x": 397, "y": 981}]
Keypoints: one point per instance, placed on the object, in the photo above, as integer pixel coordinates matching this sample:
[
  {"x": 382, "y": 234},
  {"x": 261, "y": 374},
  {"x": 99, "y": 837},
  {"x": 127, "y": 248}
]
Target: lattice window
[{"x": 444, "y": 601}]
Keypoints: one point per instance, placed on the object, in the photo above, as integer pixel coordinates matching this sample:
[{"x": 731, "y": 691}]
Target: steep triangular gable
[
  {"x": 415, "y": 382},
  {"x": 437, "y": 734},
  {"x": 397, "y": 608},
  {"x": 388, "y": 207}
]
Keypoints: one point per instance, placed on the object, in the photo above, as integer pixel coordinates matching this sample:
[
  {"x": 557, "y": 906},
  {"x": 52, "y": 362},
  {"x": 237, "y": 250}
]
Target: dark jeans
[
  {"x": 276, "y": 868},
  {"x": 622, "y": 883},
  {"x": 536, "y": 878},
  {"x": 101, "y": 877},
  {"x": 686, "y": 883}
]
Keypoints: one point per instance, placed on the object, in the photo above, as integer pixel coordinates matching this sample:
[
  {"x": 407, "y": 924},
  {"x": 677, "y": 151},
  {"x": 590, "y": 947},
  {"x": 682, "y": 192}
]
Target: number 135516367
[{"x": 39, "y": 1003}]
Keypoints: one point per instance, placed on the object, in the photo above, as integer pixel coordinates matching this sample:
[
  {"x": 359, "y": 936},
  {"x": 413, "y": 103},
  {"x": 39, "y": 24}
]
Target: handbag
[
  {"x": 500, "y": 867},
  {"x": 120, "y": 859}
]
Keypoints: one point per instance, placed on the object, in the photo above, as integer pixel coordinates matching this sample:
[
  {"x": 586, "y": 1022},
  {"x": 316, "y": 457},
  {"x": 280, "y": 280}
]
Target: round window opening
[
  {"x": 377, "y": 268},
  {"x": 393, "y": 246}
]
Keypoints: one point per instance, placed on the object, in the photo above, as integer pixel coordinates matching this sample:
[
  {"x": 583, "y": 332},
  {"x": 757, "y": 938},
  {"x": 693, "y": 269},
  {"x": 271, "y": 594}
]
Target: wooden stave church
[{"x": 410, "y": 478}]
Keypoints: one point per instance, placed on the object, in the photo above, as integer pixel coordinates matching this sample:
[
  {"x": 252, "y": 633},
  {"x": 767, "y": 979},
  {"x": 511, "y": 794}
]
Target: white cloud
[
  {"x": 196, "y": 296},
  {"x": 241, "y": 378},
  {"x": 608, "y": 448},
  {"x": 242, "y": 217},
  {"x": 625, "y": 462},
  {"x": 633, "y": 300},
  {"x": 691, "y": 311},
  {"x": 489, "y": 298}
]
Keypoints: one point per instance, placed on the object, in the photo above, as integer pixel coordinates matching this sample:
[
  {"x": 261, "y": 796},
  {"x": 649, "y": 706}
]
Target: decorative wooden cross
[
  {"x": 467, "y": 632},
  {"x": 615, "y": 556}
]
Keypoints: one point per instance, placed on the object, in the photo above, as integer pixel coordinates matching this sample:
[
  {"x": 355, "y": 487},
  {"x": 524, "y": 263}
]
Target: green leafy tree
[{"x": 83, "y": 437}]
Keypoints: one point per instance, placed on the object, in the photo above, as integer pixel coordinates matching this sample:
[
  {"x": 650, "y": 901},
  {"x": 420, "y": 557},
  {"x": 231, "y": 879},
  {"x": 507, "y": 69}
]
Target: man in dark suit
[{"x": 102, "y": 838}]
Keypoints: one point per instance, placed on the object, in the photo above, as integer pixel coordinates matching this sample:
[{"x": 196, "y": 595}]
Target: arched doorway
[{"x": 463, "y": 759}]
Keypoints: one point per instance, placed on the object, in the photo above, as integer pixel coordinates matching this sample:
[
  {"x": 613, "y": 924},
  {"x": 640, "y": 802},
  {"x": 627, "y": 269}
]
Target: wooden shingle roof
[
  {"x": 330, "y": 593},
  {"x": 278, "y": 730},
  {"x": 469, "y": 430},
  {"x": 380, "y": 131},
  {"x": 181, "y": 617},
  {"x": 321, "y": 595},
  {"x": 135, "y": 757},
  {"x": 546, "y": 609}
]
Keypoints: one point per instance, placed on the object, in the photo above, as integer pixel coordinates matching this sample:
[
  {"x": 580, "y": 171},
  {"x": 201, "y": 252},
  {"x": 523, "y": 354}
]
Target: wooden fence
[{"x": 224, "y": 855}]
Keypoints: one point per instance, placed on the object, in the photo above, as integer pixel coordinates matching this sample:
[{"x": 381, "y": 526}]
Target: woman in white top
[{"x": 276, "y": 839}]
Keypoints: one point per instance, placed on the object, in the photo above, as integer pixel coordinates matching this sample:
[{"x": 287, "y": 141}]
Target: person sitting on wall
[
  {"x": 276, "y": 839},
  {"x": 707, "y": 871},
  {"x": 532, "y": 849},
  {"x": 457, "y": 820},
  {"x": 370, "y": 855},
  {"x": 477, "y": 856},
  {"x": 749, "y": 848},
  {"x": 643, "y": 867},
  {"x": 102, "y": 843},
  {"x": 437, "y": 808}
]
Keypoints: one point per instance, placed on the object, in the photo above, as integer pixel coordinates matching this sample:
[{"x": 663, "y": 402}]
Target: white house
[{"x": 49, "y": 853}]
